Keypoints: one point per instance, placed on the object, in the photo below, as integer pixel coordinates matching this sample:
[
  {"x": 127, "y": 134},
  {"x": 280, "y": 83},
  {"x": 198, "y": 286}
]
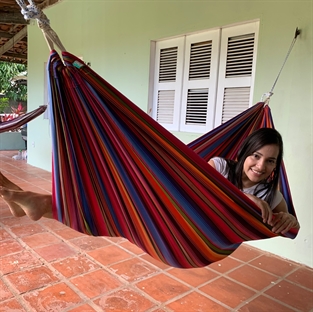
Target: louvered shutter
[
  {"x": 235, "y": 101},
  {"x": 168, "y": 82},
  {"x": 199, "y": 82},
  {"x": 236, "y": 71}
]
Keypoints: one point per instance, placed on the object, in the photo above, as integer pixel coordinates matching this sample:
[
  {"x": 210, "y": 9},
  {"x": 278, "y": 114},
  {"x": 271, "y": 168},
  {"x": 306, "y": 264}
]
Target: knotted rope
[{"x": 31, "y": 11}]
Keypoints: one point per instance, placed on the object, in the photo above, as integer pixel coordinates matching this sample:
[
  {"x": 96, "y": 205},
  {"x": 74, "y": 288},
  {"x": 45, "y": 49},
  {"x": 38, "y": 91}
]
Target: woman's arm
[
  {"x": 283, "y": 221},
  {"x": 279, "y": 217},
  {"x": 263, "y": 205},
  {"x": 266, "y": 210},
  {"x": 211, "y": 163}
]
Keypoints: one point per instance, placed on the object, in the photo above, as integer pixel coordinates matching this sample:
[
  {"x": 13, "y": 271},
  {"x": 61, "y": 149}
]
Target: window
[{"x": 201, "y": 80}]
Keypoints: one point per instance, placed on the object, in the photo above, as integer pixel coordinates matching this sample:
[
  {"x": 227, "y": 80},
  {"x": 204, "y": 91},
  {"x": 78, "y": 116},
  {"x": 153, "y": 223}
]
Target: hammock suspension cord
[
  {"x": 31, "y": 11},
  {"x": 266, "y": 96}
]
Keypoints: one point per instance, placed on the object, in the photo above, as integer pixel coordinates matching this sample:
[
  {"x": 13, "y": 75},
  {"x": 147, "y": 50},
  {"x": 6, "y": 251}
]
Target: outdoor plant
[
  {"x": 19, "y": 110},
  {"x": 4, "y": 103},
  {"x": 15, "y": 112},
  {"x": 13, "y": 91}
]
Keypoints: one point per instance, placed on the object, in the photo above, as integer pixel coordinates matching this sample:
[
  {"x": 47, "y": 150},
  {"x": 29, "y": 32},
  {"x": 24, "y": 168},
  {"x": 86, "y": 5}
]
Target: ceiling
[{"x": 13, "y": 30}]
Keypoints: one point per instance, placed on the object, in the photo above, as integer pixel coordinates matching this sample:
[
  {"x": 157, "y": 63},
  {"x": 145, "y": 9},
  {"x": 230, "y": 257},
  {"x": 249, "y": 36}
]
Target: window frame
[{"x": 219, "y": 37}]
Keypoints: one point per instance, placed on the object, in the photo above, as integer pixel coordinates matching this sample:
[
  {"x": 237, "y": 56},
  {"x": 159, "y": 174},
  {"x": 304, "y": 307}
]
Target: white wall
[{"x": 115, "y": 37}]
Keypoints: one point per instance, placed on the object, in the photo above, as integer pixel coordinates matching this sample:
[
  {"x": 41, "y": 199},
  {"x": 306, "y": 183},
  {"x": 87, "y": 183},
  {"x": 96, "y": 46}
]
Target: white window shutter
[
  {"x": 168, "y": 82},
  {"x": 235, "y": 101},
  {"x": 236, "y": 71},
  {"x": 199, "y": 81}
]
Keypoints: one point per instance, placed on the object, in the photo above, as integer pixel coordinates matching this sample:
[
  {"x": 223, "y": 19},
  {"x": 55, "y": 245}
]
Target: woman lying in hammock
[{"x": 256, "y": 173}]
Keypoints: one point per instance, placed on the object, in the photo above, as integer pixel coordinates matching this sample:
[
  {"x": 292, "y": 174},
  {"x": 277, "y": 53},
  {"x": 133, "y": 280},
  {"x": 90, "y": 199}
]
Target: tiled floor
[{"x": 46, "y": 266}]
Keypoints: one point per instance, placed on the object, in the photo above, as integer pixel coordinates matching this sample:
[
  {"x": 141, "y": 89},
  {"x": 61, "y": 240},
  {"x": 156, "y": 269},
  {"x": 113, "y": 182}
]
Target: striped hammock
[{"x": 117, "y": 172}]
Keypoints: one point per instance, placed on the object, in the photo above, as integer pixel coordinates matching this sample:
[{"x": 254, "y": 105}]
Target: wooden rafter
[
  {"x": 10, "y": 44},
  {"x": 47, "y": 3},
  {"x": 12, "y": 23},
  {"x": 9, "y": 36},
  {"x": 15, "y": 56},
  {"x": 12, "y": 18}
]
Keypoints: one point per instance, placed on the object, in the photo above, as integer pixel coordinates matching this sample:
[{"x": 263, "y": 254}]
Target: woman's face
[{"x": 259, "y": 166}]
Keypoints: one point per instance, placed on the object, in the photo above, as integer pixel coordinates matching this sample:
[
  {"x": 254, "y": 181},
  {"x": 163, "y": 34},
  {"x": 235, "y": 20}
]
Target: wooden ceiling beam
[
  {"x": 15, "y": 56},
  {"x": 47, "y": 3},
  {"x": 12, "y": 18},
  {"x": 9, "y": 36},
  {"x": 15, "y": 61},
  {"x": 17, "y": 38}
]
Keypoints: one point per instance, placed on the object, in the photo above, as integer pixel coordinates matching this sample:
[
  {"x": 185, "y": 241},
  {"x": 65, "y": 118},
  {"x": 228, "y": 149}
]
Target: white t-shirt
[{"x": 222, "y": 167}]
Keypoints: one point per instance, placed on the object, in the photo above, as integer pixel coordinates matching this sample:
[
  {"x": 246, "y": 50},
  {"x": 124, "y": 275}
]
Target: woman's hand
[
  {"x": 266, "y": 210},
  {"x": 283, "y": 222}
]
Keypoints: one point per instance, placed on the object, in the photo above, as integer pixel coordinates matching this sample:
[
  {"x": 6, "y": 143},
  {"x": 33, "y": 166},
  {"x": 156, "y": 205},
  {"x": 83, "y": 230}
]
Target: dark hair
[{"x": 255, "y": 141}]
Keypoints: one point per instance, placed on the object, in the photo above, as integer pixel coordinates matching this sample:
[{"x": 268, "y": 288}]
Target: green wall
[
  {"x": 115, "y": 36},
  {"x": 10, "y": 141}
]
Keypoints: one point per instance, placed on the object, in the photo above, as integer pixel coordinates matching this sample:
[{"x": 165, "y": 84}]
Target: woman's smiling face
[{"x": 259, "y": 166}]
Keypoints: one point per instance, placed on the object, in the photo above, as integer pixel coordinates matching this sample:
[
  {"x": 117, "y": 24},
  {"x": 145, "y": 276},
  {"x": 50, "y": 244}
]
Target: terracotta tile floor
[{"x": 46, "y": 266}]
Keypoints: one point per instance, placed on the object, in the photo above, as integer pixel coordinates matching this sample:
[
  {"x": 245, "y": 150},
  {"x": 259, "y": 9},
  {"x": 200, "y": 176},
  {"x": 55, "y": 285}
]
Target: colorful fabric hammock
[
  {"x": 117, "y": 172},
  {"x": 21, "y": 120}
]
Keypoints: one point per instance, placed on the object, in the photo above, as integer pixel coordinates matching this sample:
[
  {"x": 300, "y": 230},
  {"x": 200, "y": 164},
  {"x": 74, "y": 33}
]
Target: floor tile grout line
[
  {"x": 125, "y": 285},
  {"x": 68, "y": 281},
  {"x": 186, "y": 293},
  {"x": 297, "y": 267},
  {"x": 91, "y": 303},
  {"x": 224, "y": 274},
  {"x": 60, "y": 277},
  {"x": 166, "y": 309},
  {"x": 192, "y": 288},
  {"x": 269, "y": 254},
  {"x": 283, "y": 277},
  {"x": 170, "y": 275},
  {"x": 177, "y": 297},
  {"x": 22, "y": 170},
  {"x": 107, "y": 268},
  {"x": 282, "y": 303},
  {"x": 26, "y": 181},
  {"x": 262, "y": 292},
  {"x": 124, "y": 282},
  {"x": 167, "y": 273},
  {"x": 168, "y": 270},
  {"x": 199, "y": 292},
  {"x": 295, "y": 283},
  {"x": 269, "y": 297},
  {"x": 15, "y": 293},
  {"x": 172, "y": 300}
]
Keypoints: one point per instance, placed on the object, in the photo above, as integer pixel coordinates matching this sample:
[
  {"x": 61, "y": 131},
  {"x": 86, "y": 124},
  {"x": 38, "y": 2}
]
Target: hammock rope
[
  {"x": 266, "y": 96},
  {"x": 32, "y": 11},
  {"x": 117, "y": 172},
  {"x": 297, "y": 33}
]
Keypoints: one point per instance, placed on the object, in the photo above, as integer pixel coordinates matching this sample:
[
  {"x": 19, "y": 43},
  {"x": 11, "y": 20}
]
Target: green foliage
[
  {"x": 4, "y": 103},
  {"x": 8, "y": 71}
]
